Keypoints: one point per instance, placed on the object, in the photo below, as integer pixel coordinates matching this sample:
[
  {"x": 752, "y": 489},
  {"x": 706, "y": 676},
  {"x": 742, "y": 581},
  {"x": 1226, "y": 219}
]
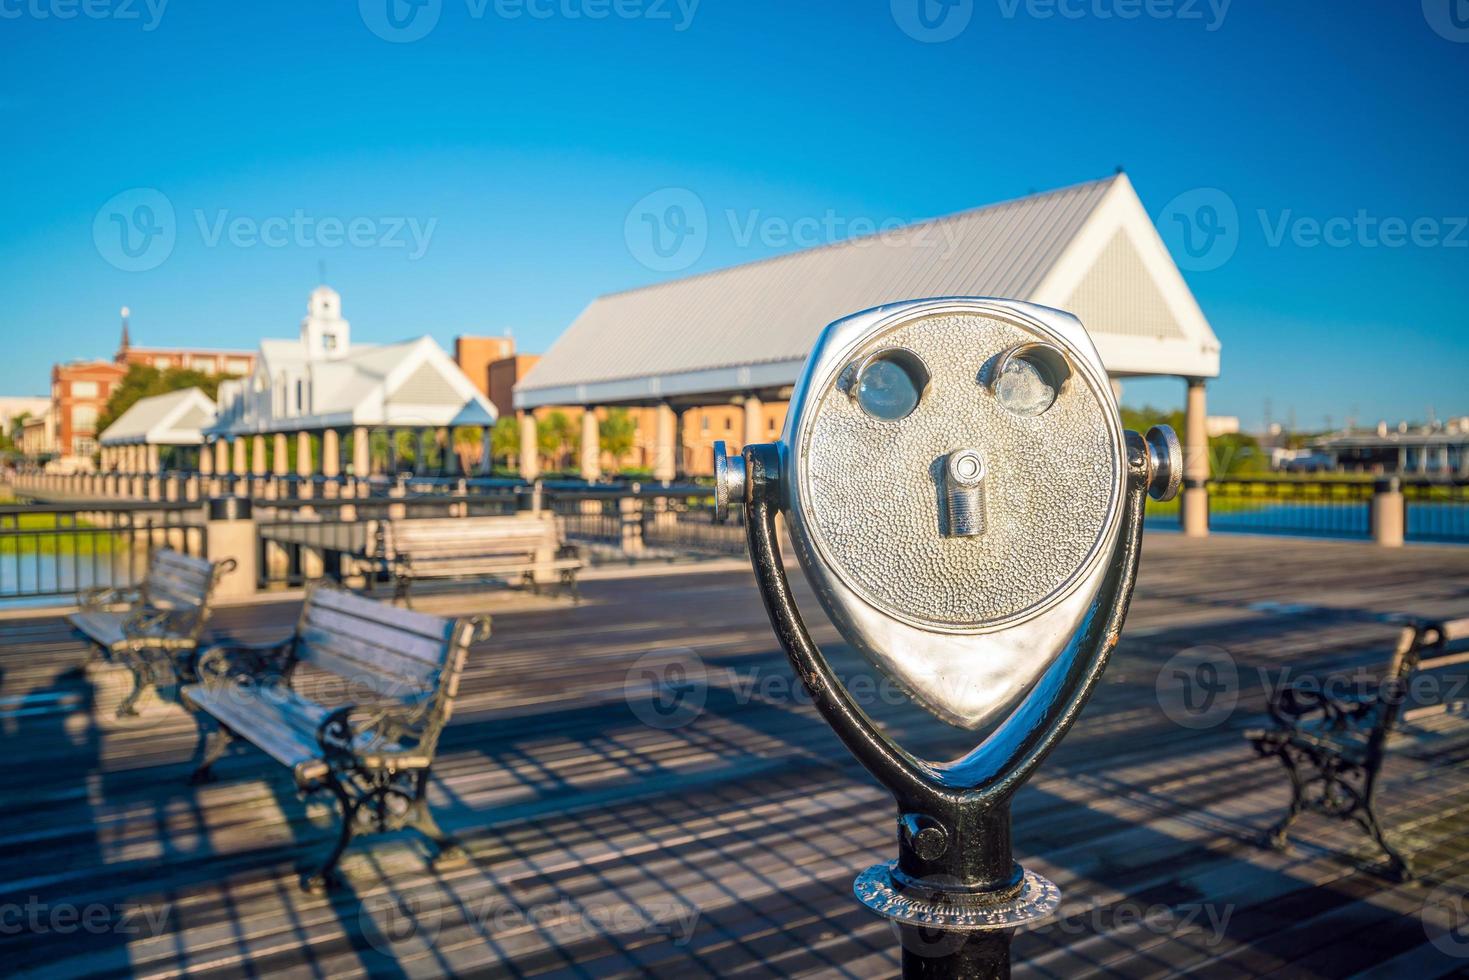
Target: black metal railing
[
  {"x": 686, "y": 524},
  {"x": 58, "y": 550}
]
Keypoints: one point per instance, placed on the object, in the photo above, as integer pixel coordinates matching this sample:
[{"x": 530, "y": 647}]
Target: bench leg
[
  {"x": 401, "y": 585},
  {"x": 325, "y": 878},
  {"x": 141, "y": 667},
  {"x": 214, "y": 742},
  {"x": 568, "y": 584},
  {"x": 1277, "y": 836},
  {"x": 1397, "y": 864},
  {"x": 421, "y": 819}
]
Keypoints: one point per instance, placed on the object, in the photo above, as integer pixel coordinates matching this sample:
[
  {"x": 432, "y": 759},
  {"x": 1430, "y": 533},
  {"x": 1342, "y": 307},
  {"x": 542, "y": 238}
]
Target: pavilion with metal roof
[
  {"x": 741, "y": 334},
  {"x": 140, "y": 435}
]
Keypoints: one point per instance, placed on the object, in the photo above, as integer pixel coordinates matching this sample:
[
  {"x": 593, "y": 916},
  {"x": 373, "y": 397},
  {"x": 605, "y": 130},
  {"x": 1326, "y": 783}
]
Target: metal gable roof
[
  {"x": 772, "y": 310},
  {"x": 174, "y": 418}
]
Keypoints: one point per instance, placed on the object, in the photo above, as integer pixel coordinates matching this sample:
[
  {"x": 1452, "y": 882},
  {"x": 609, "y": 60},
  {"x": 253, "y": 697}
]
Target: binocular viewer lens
[{"x": 890, "y": 384}]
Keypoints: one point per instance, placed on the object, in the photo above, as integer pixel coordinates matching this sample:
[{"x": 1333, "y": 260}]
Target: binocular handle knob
[
  {"x": 729, "y": 481},
  {"x": 1165, "y": 462}
]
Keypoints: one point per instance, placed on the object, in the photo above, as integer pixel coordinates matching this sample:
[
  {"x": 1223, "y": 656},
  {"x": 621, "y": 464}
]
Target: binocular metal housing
[{"x": 963, "y": 499}]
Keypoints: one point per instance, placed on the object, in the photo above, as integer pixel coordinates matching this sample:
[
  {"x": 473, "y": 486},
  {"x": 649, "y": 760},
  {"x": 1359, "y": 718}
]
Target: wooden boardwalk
[{"x": 615, "y": 834}]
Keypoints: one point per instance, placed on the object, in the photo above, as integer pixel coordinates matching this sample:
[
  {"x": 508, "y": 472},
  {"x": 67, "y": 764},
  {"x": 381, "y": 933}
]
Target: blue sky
[{"x": 480, "y": 178}]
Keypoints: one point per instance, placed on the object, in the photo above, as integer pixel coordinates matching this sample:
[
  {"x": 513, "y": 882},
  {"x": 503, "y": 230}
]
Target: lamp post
[{"x": 962, "y": 496}]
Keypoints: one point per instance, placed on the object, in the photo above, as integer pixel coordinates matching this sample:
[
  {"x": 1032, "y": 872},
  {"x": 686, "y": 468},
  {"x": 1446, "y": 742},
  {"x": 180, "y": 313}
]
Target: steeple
[
  {"x": 125, "y": 341},
  {"x": 324, "y": 333}
]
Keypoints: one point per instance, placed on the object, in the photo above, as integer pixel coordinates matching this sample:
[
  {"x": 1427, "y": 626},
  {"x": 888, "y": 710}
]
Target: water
[
  {"x": 1444, "y": 523},
  {"x": 44, "y": 578}
]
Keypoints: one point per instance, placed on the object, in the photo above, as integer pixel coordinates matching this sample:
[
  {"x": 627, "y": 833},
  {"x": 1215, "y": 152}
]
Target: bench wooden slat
[
  {"x": 427, "y": 652},
  {"x": 101, "y": 627},
  {"x": 354, "y": 663},
  {"x": 421, "y": 624}
]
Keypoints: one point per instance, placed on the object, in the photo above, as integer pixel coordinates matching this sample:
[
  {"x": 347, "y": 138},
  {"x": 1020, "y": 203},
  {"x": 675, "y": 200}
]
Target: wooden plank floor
[{"x": 610, "y": 836}]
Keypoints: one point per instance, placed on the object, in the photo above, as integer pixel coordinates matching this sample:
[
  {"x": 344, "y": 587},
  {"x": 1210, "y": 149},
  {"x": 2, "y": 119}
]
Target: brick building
[
  {"x": 80, "y": 389},
  {"x": 79, "y": 392},
  {"x": 235, "y": 363}
]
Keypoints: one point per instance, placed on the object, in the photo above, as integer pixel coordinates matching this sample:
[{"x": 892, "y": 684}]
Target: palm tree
[
  {"x": 618, "y": 432},
  {"x": 505, "y": 438}
]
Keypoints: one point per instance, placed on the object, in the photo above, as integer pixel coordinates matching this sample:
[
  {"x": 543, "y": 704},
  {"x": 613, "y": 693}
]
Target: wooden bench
[
  {"x": 375, "y": 756},
  {"x": 1332, "y": 745},
  {"x": 152, "y": 627},
  {"x": 524, "y": 547}
]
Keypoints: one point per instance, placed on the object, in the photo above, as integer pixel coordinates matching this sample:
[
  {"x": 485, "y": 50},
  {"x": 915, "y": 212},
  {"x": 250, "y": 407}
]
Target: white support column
[
  {"x": 486, "y": 451},
  {"x": 304, "y": 468},
  {"x": 754, "y": 421},
  {"x": 530, "y": 456},
  {"x": 1195, "y": 504},
  {"x": 664, "y": 467},
  {"x": 591, "y": 446},
  {"x": 361, "y": 453}
]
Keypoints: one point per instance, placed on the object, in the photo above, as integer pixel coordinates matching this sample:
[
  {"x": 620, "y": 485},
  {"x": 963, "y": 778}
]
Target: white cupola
[{"x": 324, "y": 334}]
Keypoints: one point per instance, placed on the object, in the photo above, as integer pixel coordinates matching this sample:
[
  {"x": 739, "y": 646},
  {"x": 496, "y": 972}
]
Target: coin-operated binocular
[{"x": 968, "y": 509}]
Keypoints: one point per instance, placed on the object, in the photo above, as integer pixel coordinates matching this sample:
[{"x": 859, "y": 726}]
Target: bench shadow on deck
[{"x": 607, "y": 838}]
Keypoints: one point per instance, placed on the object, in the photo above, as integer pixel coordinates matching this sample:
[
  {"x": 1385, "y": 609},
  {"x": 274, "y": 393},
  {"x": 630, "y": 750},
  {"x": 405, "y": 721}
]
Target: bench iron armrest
[
  {"x": 110, "y": 595},
  {"x": 147, "y": 623},
  {"x": 244, "y": 662},
  {"x": 353, "y": 730},
  {"x": 571, "y": 551},
  {"x": 1293, "y": 705}
]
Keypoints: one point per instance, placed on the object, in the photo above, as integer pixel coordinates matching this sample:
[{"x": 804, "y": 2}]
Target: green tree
[
  {"x": 556, "y": 437},
  {"x": 1232, "y": 454},
  {"x": 505, "y": 437},
  {"x": 10, "y": 441},
  {"x": 146, "y": 381},
  {"x": 618, "y": 432},
  {"x": 468, "y": 440},
  {"x": 406, "y": 448}
]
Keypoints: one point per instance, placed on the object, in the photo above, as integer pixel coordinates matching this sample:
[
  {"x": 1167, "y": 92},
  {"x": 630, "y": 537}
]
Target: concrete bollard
[
  {"x": 230, "y": 533},
  {"x": 630, "y": 509},
  {"x": 1389, "y": 514}
]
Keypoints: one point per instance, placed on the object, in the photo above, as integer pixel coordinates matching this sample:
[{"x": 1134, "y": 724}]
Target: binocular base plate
[{"x": 876, "y": 888}]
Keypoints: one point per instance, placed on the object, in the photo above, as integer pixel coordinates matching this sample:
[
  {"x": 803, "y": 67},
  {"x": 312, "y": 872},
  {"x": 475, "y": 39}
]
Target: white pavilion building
[{"x": 330, "y": 394}]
